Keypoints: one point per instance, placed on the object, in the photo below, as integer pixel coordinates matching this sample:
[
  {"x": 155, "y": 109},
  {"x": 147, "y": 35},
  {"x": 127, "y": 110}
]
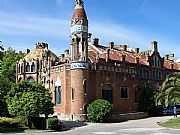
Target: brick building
[{"x": 90, "y": 71}]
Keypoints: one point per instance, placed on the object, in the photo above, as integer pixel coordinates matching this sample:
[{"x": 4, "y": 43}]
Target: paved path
[{"x": 146, "y": 126}]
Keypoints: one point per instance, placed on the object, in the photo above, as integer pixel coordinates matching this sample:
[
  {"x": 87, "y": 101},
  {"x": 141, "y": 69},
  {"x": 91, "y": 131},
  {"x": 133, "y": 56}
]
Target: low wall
[{"x": 118, "y": 117}]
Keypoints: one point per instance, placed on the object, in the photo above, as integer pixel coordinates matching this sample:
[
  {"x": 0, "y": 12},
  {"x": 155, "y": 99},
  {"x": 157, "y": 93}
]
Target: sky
[{"x": 132, "y": 22}]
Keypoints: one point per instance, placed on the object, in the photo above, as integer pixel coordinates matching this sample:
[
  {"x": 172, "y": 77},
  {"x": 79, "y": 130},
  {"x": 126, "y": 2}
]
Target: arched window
[
  {"x": 156, "y": 61},
  {"x": 157, "y": 75},
  {"x": 33, "y": 67},
  {"x": 27, "y": 67},
  {"x": 30, "y": 79},
  {"x": 72, "y": 94},
  {"x": 19, "y": 79},
  {"x": 19, "y": 68},
  {"x": 85, "y": 86},
  {"x": 58, "y": 95},
  {"x": 144, "y": 73}
]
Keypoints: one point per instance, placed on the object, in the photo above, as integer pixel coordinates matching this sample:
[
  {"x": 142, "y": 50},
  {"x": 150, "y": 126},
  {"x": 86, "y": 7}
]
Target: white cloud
[{"x": 33, "y": 26}]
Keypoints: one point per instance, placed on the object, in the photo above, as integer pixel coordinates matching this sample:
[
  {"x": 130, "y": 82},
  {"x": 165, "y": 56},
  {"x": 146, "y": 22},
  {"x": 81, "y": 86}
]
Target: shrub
[
  {"x": 9, "y": 122},
  {"x": 39, "y": 122},
  {"x": 99, "y": 110},
  {"x": 52, "y": 123}
]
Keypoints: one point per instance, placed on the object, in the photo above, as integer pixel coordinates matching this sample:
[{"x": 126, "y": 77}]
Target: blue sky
[{"x": 132, "y": 22}]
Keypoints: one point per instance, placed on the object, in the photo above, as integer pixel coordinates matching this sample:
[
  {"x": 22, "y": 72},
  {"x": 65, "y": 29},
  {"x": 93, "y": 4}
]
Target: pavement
[{"x": 148, "y": 126}]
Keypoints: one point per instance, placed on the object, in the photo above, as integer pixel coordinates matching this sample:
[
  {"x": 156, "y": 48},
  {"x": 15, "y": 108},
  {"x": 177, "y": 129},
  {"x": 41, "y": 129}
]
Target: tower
[
  {"x": 79, "y": 65},
  {"x": 79, "y": 33}
]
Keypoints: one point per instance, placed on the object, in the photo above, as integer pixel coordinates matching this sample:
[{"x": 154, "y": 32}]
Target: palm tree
[
  {"x": 1, "y": 46},
  {"x": 170, "y": 92}
]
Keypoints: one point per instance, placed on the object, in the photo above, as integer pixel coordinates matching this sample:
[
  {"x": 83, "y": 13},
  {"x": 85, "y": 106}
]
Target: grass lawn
[{"x": 173, "y": 123}]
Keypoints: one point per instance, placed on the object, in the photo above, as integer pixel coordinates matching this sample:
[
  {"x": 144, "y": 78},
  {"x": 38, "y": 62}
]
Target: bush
[
  {"x": 99, "y": 110},
  {"x": 39, "y": 122},
  {"x": 52, "y": 123},
  {"x": 9, "y": 122}
]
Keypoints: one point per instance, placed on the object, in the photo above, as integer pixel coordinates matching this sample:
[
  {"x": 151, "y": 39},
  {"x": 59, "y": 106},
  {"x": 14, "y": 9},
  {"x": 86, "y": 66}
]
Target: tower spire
[{"x": 79, "y": 3}]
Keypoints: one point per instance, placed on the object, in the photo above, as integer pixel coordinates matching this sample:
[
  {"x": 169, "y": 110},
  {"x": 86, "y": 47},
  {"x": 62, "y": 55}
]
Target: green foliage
[
  {"x": 8, "y": 122},
  {"x": 5, "y": 86},
  {"x": 170, "y": 90},
  {"x": 8, "y": 60},
  {"x": 99, "y": 110},
  {"x": 8, "y": 64},
  {"x": 29, "y": 100},
  {"x": 147, "y": 98},
  {"x": 52, "y": 123},
  {"x": 173, "y": 123},
  {"x": 1, "y": 50},
  {"x": 39, "y": 123}
]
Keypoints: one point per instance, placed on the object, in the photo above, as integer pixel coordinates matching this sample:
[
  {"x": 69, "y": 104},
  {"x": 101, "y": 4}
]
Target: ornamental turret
[
  {"x": 79, "y": 65},
  {"x": 79, "y": 33}
]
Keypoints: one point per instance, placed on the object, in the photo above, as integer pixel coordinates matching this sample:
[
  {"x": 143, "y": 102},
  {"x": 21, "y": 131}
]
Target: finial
[{"x": 79, "y": 3}]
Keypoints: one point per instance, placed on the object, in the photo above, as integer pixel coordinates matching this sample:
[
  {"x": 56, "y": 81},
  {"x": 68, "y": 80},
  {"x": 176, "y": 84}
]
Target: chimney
[
  {"x": 136, "y": 50},
  {"x": 96, "y": 41},
  {"x": 62, "y": 55},
  {"x": 123, "y": 57},
  {"x": 172, "y": 66},
  {"x": 66, "y": 52},
  {"x": 107, "y": 55},
  {"x": 111, "y": 45},
  {"x": 137, "y": 60},
  {"x": 154, "y": 46},
  {"x": 20, "y": 52},
  {"x": 124, "y": 47},
  {"x": 89, "y": 37},
  {"x": 27, "y": 51},
  {"x": 166, "y": 57}
]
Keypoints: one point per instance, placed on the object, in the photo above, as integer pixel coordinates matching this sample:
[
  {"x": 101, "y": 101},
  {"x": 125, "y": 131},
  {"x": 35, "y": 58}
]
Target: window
[
  {"x": 156, "y": 61},
  {"x": 27, "y": 67},
  {"x": 85, "y": 86},
  {"x": 72, "y": 94},
  {"x": 19, "y": 68},
  {"x": 157, "y": 75},
  {"x": 33, "y": 67},
  {"x": 57, "y": 95},
  {"x": 167, "y": 73},
  {"x": 124, "y": 92},
  {"x": 144, "y": 73}
]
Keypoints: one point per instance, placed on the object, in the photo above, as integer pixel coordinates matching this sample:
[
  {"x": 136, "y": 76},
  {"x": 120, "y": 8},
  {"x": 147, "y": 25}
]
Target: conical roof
[{"x": 79, "y": 11}]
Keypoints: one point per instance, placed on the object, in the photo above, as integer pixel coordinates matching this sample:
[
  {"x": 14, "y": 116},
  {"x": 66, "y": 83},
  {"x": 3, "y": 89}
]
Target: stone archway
[{"x": 107, "y": 93}]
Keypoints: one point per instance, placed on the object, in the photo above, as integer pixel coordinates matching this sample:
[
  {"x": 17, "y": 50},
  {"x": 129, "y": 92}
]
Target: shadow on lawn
[{"x": 12, "y": 130}]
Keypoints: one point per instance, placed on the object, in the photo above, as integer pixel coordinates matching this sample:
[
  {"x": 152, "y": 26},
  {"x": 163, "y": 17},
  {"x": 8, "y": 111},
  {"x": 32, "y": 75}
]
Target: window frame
[{"x": 127, "y": 92}]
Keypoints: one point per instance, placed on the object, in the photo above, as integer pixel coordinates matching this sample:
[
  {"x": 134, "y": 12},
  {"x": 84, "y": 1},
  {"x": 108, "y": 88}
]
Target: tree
[
  {"x": 8, "y": 64},
  {"x": 1, "y": 55},
  {"x": 8, "y": 60},
  {"x": 170, "y": 90},
  {"x": 30, "y": 100},
  {"x": 99, "y": 110},
  {"x": 5, "y": 86},
  {"x": 147, "y": 98}
]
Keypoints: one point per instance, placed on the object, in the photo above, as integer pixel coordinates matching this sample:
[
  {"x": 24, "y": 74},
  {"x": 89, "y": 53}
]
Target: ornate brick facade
[{"x": 92, "y": 71}]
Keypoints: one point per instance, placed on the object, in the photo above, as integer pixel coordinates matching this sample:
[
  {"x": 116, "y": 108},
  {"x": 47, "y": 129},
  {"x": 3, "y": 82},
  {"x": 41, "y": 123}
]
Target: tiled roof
[
  {"x": 37, "y": 54},
  {"x": 115, "y": 54}
]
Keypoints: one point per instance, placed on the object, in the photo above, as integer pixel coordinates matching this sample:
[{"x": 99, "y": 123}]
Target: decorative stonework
[{"x": 80, "y": 65}]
